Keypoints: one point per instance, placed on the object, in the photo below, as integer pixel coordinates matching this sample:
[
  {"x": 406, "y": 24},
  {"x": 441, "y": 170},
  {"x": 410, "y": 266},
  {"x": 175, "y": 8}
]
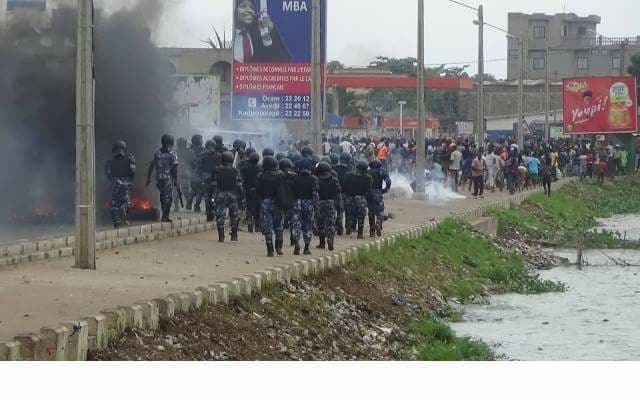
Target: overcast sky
[{"x": 359, "y": 30}]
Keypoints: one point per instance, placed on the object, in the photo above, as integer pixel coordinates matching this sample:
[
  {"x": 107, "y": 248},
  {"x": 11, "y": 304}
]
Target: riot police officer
[
  {"x": 329, "y": 192},
  {"x": 120, "y": 171},
  {"x": 207, "y": 163},
  {"x": 342, "y": 169},
  {"x": 194, "y": 198},
  {"x": 357, "y": 187},
  {"x": 375, "y": 204},
  {"x": 270, "y": 182},
  {"x": 304, "y": 187},
  {"x": 229, "y": 196},
  {"x": 165, "y": 163},
  {"x": 249, "y": 171}
]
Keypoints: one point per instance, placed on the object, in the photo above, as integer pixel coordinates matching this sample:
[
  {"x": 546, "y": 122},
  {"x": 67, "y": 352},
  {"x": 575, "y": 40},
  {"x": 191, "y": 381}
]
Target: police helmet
[
  {"x": 362, "y": 166},
  {"x": 285, "y": 164},
  {"x": 167, "y": 141},
  {"x": 197, "y": 140},
  {"x": 254, "y": 158},
  {"x": 304, "y": 165},
  {"x": 210, "y": 145},
  {"x": 295, "y": 156},
  {"x": 345, "y": 158},
  {"x": 280, "y": 156},
  {"x": 119, "y": 147},
  {"x": 227, "y": 158},
  {"x": 323, "y": 169},
  {"x": 268, "y": 152},
  {"x": 219, "y": 140},
  {"x": 335, "y": 159},
  {"x": 248, "y": 152},
  {"x": 375, "y": 164},
  {"x": 269, "y": 163},
  {"x": 306, "y": 152}
]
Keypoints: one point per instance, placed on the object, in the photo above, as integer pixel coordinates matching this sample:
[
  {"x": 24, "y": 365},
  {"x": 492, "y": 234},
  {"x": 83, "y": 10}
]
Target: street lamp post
[
  {"x": 481, "y": 131},
  {"x": 402, "y": 118},
  {"x": 420, "y": 140}
]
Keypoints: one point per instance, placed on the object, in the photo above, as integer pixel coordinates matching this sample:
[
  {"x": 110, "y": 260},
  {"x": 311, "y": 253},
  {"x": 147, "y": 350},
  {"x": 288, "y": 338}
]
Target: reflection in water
[{"x": 598, "y": 318}]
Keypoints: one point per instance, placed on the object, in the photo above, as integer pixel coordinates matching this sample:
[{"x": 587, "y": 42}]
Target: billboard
[
  {"x": 600, "y": 105},
  {"x": 272, "y": 59}
]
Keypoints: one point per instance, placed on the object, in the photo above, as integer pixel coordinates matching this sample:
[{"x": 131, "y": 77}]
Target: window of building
[
  {"x": 565, "y": 30},
  {"x": 582, "y": 31},
  {"x": 583, "y": 63},
  {"x": 538, "y": 63},
  {"x": 604, "y": 52},
  {"x": 514, "y": 52},
  {"x": 539, "y": 32},
  {"x": 615, "y": 62},
  {"x": 595, "y": 52}
]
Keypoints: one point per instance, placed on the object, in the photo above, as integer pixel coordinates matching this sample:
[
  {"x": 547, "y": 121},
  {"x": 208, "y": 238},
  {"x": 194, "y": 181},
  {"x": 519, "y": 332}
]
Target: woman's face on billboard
[{"x": 246, "y": 12}]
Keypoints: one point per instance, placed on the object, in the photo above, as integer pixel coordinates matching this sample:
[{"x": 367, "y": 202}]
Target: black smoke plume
[{"x": 37, "y": 104}]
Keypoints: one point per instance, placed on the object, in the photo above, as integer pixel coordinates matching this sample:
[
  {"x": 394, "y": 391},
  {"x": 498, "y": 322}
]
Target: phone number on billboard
[{"x": 272, "y": 107}]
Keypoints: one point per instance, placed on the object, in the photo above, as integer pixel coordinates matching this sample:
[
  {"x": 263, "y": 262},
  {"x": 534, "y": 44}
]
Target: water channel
[{"x": 596, "y": 319}]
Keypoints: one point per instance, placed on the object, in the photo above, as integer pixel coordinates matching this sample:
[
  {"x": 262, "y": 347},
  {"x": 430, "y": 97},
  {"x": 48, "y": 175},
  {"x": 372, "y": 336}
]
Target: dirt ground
[{"x": 334, "y": 317}]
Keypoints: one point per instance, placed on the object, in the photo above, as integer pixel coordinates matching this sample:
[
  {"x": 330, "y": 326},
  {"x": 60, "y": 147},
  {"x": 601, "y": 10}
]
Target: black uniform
[
  {"x": 229, "y": 196},
  {"x": 342, "y": 170},
  {"x": 330, "y": 194},
  {"x": 207, "y": 163},
  {"x": 196, "y": 194},
  {"x": 357, "y": 189},
  {"x": 249, "y": 171},
  {"x": 375, "y": 202},
  {"x": 120, "y": 171}
]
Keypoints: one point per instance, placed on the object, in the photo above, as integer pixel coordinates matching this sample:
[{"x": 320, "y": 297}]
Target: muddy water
[{"x": 598, "y": 318}]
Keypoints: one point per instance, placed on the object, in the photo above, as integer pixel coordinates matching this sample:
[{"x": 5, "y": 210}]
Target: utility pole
[
  {"x": 420, "y": 140},
  {"x": 623, "y": 50},
  {"x": 521, "y": 95},
  {"x": 316, "y": 77},
  {"x": 547, "y": 130},
  {"x": 402, "y": 103},
  {"x": 481, "y": 133},
  {"x": 85, "y": 250}
]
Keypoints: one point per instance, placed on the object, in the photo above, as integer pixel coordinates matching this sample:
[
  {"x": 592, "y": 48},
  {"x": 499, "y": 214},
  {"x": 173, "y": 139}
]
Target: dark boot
[
  {"x": 279, "y": 244},
  {"x": 221, "y": 235},
  {"x": 250, "y": 228},
  {"x": 189, "y": 204},
  {"x": 269, "y": 249},
  {"x": 307, "y": 251},
  {"x": 330, "y": 244},
  {"x": 296, "y": 250},
  {"x": 234, "y": 235},
  {"x": 292, "y": 240},
  {"x": 372, "y": 232},
  {"x": 361, "y": 233},
  {"x": 379, "y": 231},
  {"x": 322, "y": 244}
]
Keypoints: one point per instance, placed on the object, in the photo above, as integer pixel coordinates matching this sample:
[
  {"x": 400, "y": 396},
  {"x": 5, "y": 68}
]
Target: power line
[
  {"x": 466, "y": 62},
  {"x": 463, "y": 4}
]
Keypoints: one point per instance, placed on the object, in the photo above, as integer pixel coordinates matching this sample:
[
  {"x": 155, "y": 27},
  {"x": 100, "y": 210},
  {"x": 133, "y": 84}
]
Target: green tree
[{"x": 334, "y": 65}]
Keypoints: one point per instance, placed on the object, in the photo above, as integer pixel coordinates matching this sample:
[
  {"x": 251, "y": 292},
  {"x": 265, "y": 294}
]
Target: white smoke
[{"x": 438, "y": 193}]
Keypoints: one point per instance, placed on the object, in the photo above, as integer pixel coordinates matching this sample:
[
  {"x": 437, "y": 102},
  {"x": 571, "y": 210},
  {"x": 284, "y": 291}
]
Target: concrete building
[
  {"x": 501, "y": 104},
  {"x": 575, "y": 47}
]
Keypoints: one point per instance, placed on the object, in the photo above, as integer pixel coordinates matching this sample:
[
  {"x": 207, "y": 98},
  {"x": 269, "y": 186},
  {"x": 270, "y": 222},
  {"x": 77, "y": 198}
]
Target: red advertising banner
[{"x": 600, "y": 105}]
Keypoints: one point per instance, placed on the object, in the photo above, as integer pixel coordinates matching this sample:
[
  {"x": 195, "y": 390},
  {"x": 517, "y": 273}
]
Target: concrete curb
[{"x": 71, "y": 340}]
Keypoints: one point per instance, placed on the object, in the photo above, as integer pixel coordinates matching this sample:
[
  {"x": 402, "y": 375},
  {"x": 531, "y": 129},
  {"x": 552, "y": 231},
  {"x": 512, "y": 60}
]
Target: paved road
[{"x": 47, "y": 293}]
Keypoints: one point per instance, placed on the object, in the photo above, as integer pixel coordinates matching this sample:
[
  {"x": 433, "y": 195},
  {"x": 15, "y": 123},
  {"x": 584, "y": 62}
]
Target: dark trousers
[
  {"x": 478, "y": 186},
  {"x": 546, "y": 183}
]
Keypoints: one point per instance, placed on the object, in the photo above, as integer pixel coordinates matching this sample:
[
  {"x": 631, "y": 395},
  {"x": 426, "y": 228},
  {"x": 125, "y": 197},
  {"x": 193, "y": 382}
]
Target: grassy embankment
[
  {"x": 386, "y": 305},
  {"x": 569, "y": 215}
]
